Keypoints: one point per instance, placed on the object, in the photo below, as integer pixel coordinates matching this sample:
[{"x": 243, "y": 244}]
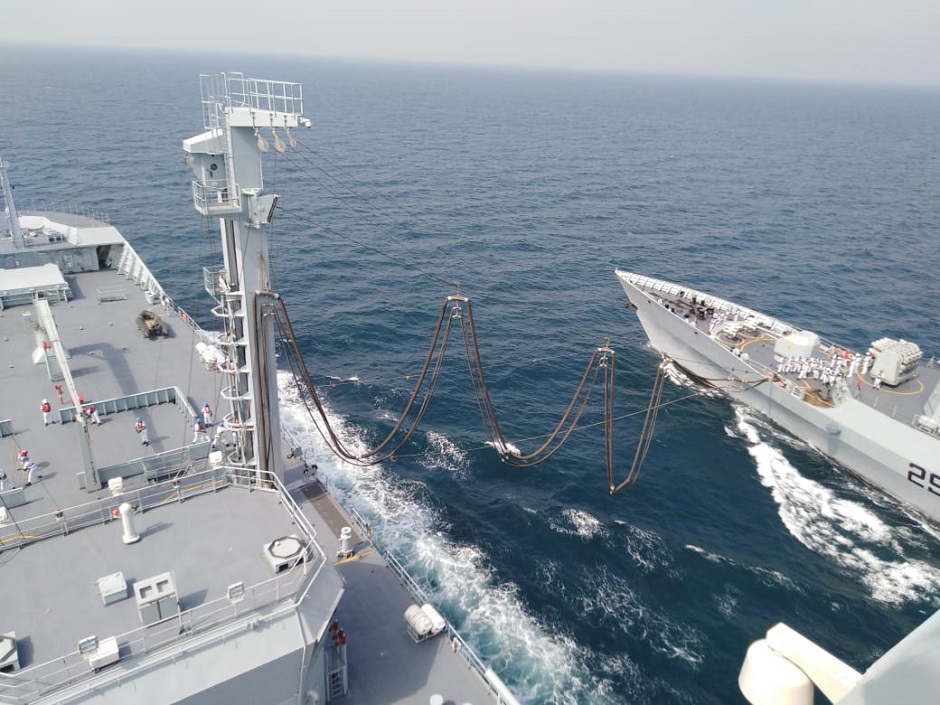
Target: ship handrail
[
  {"x": 259, "y": 600},
  {"x": 771, "y": 322},
  {"x": 300, "y": 519},
  {"x": 487, "y": 676},
  {"x": 672, "y": 289},
  {"x": 204, "y": 621},
  {"x": 37, "y": 208},
  {"x": 459, "y": 644},
  {"x": 100, "y": 511},
  {"x": 64, "y": 521},
  {"x": 840, "y": 391},
  {"x": 133, "y": 268}
]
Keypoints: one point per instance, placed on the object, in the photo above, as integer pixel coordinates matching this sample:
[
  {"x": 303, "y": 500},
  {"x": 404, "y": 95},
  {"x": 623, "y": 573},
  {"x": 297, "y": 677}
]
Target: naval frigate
[
  {"x": 874, "y": 411},
  {"x": 161, "y": 539}
]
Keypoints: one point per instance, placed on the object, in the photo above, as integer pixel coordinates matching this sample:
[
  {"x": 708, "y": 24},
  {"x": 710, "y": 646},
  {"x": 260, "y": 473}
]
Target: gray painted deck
[{"x": 48, "y": 588}]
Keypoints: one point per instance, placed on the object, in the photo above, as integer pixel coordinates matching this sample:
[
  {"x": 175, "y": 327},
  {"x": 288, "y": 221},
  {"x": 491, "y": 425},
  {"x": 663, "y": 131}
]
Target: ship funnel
[{"x": 127, "y": 520}]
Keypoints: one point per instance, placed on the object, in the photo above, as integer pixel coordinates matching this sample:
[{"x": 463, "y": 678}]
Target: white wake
[
  {"x": 542, "y": 666},
  {"x": 842, "y": 530}
]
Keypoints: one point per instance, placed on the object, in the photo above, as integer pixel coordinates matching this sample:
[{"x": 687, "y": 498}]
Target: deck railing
[
  {"x": 497, "y": 689},
  {"x": 134, "y": 269},
  {"x": 209, "y": 622}
]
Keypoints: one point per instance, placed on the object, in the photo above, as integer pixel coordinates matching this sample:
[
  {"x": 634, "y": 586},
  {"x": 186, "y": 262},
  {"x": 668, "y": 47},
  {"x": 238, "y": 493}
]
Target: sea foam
[
  {"x": 843, "y": 530},
  {"x": 539, "y": 663}
]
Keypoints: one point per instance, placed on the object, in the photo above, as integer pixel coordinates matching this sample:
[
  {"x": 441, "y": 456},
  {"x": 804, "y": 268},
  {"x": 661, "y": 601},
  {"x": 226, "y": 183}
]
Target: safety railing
[
  {"x": 204, "y": 624},
  {"x": 491, "y": 681},
  {"x": 134, "y": 269},
  {"x": 208, "y": 623}
]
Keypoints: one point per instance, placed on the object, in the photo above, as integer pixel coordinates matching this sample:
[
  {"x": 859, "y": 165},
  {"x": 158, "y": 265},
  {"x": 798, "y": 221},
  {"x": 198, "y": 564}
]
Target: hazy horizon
[
  {"x": 243, "y": 65},
  {"x": 837, "y": 41}
]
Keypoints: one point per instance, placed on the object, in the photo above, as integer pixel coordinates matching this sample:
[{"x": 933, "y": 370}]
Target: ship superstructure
[{"x": 875, "y": 411}]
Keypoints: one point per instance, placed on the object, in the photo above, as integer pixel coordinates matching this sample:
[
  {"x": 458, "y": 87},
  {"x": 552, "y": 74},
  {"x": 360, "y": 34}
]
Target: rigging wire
[
  {"x": 408, "y": 264},
  {"x": 458, "y": 307},
  {"x": 334, "y": 382},
  {"x": 412, "y": 258},
  {"x": 345, "y": 202},
  {"x": 365, "y": 246},
  {"x": 602, "y": 360},
  {"x": 359, "y": 196},
  {"x": 583, "y": 427}
]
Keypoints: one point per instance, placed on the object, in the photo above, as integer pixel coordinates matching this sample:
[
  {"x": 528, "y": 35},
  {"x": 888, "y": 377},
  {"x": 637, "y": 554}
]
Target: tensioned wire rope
[
  {"x": 603, "y": 358},
  {"x": 408, "y": 262},
  {"x": 307, "y": 165}
]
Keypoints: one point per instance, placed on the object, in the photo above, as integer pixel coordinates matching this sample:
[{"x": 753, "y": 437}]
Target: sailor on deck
[
  {"x": 32, "y": 473},
  {"x": 219, "y": 430},
  {"x": 141, "y": 429},
  {"x": 92, "y": 413},
  {"x": 199, "y": 431}
]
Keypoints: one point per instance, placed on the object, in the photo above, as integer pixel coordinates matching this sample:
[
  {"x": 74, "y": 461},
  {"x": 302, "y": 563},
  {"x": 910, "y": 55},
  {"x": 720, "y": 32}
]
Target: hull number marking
[{"x": 929, "y": 481}]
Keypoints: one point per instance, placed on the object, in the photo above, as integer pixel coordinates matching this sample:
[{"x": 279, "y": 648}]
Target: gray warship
[
  {"x": 161, "y": 540},
  {"x": 874, "y": 411}
]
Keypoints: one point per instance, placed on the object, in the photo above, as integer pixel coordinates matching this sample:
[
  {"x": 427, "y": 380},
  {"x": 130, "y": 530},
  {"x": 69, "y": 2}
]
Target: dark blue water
[{"x": 815, "y": 203}]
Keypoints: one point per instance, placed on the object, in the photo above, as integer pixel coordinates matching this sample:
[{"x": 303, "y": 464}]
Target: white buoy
[
  {"x": 127, "y": 520},
  {"x": 345, "y": 543}
]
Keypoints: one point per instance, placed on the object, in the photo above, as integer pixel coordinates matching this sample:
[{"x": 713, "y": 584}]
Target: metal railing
[
  {"x": 223, "y": 91},
  {"x": 131, "y": 402},
  {"x": 460, "y": 646},
  {"x": 43, "y": 207},
  {"x": 216, "y": 196},
  {"x": 209, "y": 622},
  {"x": 495, "y": 687},
  {"x": 133, "y": 268},
  {"x": 203, "y": 624},
  {"x": 62, "y": 522}
]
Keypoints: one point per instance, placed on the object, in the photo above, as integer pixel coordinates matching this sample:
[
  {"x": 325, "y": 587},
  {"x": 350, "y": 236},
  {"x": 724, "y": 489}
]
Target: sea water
[{"x": 524, "y": 190}]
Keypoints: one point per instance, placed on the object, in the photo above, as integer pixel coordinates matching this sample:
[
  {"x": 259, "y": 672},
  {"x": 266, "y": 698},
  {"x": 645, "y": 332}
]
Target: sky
[{"x": 855, "y": 41}]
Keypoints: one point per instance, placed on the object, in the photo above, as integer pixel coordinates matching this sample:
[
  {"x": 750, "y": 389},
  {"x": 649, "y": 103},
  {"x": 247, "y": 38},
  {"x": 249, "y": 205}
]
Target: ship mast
[
  {"x": 226, "y": 160},
  {"x": 11, "y": 208}
]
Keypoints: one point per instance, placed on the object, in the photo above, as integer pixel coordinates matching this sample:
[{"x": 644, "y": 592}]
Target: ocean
[{"x": 524, "y": 190}]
